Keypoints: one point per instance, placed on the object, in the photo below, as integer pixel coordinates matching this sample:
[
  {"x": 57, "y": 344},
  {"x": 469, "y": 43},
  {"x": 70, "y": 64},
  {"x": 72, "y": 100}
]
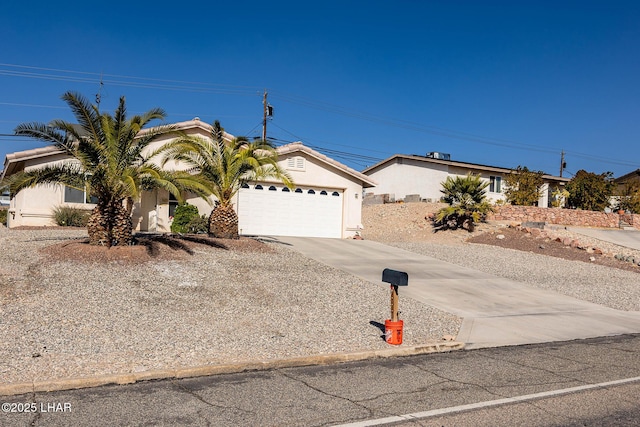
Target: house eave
[
  {"x": 465, "y": 165},
  {"x": 299, "y": 146}
]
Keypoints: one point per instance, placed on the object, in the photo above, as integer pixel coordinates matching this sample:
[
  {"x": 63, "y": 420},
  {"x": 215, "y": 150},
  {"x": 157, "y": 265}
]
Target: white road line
[{"x": 487, "y": 404}]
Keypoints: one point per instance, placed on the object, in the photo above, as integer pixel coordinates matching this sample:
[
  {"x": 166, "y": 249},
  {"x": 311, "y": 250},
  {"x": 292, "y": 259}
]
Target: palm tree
[
  {"x": 111, "y": 159},
  {"x": 226, "y": 165},
  {"x": 467, "y": 202}
]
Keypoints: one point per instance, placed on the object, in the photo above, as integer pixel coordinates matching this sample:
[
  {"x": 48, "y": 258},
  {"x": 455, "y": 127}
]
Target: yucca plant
[{"x": 466, "y": 197}]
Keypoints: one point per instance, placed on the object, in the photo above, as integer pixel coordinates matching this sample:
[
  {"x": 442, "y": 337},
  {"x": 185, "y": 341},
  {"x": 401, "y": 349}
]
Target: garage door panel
[{"x": 281, "y": 213}]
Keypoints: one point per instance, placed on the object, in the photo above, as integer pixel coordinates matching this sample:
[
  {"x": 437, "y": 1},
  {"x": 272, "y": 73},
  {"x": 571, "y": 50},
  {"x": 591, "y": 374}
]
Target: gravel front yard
[
  {"x": 63, "y": 319},
  {"x": 192, "y": 304}
]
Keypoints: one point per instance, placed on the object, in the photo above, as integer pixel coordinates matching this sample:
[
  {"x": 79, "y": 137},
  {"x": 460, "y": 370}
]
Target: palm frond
[
  {"x": 66, "y": 174},
  {"x": 46, "y": 133},
  {"x": 85, "y": 113}
]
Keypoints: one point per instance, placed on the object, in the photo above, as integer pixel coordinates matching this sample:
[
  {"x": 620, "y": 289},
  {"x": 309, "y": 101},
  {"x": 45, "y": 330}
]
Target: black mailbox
[{"x": 394, "y": 277}]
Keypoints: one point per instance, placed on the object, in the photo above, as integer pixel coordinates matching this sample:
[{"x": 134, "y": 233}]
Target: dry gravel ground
[
  {"x": 70, "y": 310},
  {"x": 518, "y": 256}
]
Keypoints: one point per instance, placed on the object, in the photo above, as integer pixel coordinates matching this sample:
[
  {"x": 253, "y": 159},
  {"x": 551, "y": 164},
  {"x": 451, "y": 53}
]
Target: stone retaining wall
[{"x": 563, "y": 216}]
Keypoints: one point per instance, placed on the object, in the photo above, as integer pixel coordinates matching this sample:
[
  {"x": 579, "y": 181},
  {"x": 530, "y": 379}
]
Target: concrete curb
[{"x": 206, "y": 370}]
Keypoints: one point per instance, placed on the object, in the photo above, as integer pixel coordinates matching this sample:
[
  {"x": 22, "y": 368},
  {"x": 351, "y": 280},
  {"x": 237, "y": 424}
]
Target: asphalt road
[{"x": 588, "y": 382}]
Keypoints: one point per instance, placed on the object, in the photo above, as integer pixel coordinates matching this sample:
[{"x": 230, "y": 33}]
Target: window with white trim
[
  {"x": 73, "y": 195},
  {"x": 495, "y": 184}
]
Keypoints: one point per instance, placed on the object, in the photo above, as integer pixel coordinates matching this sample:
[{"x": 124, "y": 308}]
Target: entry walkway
[{"x": 496, "y": 311}]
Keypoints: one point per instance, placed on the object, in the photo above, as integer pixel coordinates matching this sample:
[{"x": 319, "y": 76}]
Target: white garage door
[{"x": 275, "y": 210}]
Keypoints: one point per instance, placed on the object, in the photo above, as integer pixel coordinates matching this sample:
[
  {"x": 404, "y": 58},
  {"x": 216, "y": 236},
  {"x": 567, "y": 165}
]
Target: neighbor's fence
[{"x": 563, "y": 216}]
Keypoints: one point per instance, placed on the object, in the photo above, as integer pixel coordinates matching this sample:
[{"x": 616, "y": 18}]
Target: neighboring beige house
[
  {"x": 401, "y": 175},
  {"x": 326, "y": 201}
]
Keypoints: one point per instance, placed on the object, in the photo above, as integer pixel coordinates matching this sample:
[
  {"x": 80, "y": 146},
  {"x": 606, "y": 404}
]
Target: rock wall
[{"x": 563, "y": 216}]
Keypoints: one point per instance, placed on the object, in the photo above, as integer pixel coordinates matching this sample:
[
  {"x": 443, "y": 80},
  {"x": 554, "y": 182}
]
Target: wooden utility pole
[
  {"x": 562, "y": 163},
  {"x": 264, "y": 116}
]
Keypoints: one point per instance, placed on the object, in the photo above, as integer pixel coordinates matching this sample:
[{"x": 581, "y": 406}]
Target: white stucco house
[
  {"x": 402, "y": 175},
  {"x": 326, "y": 200}
]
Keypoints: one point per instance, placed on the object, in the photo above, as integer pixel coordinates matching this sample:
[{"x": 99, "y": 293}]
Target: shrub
[
  {"x": 590, "y": 191},
  {"x": 184, "y": 214},
  {"x": 198, "y": 225},
  {"x": 71, "y": 217},
  {"x": 523, "y": 186},
  {"x": 629, "y": 198},
  {"x": 3, "y": 216}
]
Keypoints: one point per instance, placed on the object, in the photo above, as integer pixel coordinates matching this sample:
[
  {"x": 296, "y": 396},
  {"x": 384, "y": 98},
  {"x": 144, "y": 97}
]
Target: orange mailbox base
[{"x": 393, "y": 331}]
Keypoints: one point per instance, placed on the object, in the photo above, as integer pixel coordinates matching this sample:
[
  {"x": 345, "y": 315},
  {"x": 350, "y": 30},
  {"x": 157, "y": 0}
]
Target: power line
[
  {"x": 405, "y": 124},
  {"x": 124, "y": 83},
  {"x": 126, "y": 76},
  {"x": 204, "y": 87},
  {"x": 299, "y": 138},
  {"x": 15, "y": 104}
]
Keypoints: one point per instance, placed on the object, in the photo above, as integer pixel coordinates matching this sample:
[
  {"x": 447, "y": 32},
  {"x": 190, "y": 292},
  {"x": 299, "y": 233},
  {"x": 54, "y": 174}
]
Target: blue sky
[{"x": 500, "y": 83}]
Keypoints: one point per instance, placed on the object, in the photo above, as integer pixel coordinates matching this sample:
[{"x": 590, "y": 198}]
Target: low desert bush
[
  {"x": 183, "y": 217},
  {"x": 71, "y": 217},
  {"x": 3, "y": 216},
  {"x": 198, "y": 225}
]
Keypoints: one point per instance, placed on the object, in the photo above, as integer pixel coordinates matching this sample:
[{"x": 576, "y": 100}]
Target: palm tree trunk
[
  {"x": 122, "y": 230},
  {"x": 223, "y": 222},
  {"x": 98, "y": 227},
  {"x": 110, "y": 224}
]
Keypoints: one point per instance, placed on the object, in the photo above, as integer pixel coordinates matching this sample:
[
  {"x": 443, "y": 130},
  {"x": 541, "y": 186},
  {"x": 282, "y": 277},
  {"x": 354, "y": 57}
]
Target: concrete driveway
[
  {"x": 626, "y": 238},
  {"x": 496, "y": 311}
]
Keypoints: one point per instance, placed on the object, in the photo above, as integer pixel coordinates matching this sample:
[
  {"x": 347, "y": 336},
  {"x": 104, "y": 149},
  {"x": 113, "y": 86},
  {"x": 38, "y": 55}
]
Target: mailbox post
[{"x": 393, "y": 326}]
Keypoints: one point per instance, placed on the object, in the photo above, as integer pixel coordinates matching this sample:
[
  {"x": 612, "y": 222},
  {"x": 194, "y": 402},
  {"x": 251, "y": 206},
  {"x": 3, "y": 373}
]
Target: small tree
[
  {"x": 590, "y": 191},
  {"x": 629, "y": 198},
  {"x": 524, "y": 187},
  {"x": 466, "y": 197}
]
